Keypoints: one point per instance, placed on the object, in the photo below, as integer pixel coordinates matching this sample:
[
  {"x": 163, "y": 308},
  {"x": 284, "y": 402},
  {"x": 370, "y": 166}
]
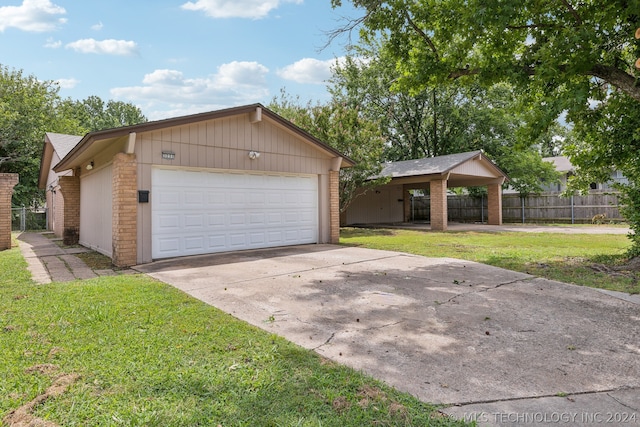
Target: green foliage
[
  {"x": 608, "y": 139},
  {"x": 94, "y": 114},
  {"x": 29, "y": 108},
  {"x": 27, "y": 111},
  {"x": 555, "y": 46},
  {"x": 573, "y": 57},
  {"x": 346, "y": 129},
  {"x": 148, "y": 354},
  {"x": 443, "y": 120}
]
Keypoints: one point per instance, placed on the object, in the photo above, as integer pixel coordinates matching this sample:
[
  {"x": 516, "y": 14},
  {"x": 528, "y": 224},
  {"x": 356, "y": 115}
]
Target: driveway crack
[
  {"x": 326, "y": 342},
  {"x": 479, "y": 291},
  {"x": 622, "y": 403},
  {"x": 375, "y": 328},
  {"x": 544, "y": 396}
]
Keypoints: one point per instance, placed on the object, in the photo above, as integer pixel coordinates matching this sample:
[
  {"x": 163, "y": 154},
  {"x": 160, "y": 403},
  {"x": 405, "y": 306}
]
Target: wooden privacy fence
[{"x": 542, "y": 208}]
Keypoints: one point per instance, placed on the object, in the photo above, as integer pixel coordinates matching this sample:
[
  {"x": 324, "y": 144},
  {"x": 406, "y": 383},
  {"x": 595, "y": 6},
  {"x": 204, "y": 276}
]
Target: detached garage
[{"x": 234, "y": 179}]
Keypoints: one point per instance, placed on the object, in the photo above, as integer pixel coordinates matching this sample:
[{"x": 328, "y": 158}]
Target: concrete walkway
[{"x": 48, "y": 262}]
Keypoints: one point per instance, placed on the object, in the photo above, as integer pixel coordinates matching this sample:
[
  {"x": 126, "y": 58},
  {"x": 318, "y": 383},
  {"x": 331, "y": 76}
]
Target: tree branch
[
  {"x": 572, "y": 11},
  {"x": 618, "y": 78},
  {"x": 422, "y": 34},
  {"x": 531, "y": 26},
  {"x": 461, "y": 72}
]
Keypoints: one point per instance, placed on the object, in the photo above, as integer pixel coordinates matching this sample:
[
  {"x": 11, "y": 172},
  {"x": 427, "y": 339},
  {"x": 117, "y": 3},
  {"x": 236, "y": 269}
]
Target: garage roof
[
  {"x": 87, "y": 141},
  {"x": 60, "y": 144}
]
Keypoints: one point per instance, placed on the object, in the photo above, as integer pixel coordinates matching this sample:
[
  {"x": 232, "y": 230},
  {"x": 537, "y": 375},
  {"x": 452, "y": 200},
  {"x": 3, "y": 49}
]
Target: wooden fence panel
[{"x": 542, "y": 208}]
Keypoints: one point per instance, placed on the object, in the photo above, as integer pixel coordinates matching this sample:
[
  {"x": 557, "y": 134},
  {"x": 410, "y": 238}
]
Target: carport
[{"x": 392, "y": 201}]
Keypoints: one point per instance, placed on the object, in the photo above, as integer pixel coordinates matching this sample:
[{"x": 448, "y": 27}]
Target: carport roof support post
[
  {"x": 494, "y": 193},
  {"x": 7, "y": 182}
]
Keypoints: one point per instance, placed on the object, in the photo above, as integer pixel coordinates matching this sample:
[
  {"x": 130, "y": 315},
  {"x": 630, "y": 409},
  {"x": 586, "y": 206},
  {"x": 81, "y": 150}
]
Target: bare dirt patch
[{"x": 23, "y": 416}]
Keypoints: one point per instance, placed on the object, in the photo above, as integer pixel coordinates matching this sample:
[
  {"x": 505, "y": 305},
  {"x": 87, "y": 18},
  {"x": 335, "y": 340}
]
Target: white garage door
[{"x": 198, "y": 212}]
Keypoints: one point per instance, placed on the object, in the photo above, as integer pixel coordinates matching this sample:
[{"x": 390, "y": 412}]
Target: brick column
[
  {"x": 7, "y": 182},
  {"x": 125, "y": 210},
  {"x": 70, "y": 189},
  {"x": 494, "y": 199},
  {"x": 334, "y": 206},
  {"x": 438, "y": 205}
]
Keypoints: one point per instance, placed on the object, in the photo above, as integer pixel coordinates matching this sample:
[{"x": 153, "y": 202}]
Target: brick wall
[
  {"x": 334, "y": 206},
  {"x": 438, "y": 205},
  {"x": 57, "y": 216},
  {"x": 125, "y": 210},
  {"x": 7, "y": 182},
  {"x": 70, "y": 223}
]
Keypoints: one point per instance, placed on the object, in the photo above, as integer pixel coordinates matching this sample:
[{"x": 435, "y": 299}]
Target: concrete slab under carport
[{"x": 448, "y": 331}]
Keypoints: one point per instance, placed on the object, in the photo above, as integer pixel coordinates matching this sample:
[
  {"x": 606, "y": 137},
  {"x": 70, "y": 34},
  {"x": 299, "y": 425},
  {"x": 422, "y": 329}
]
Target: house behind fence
[{"x": 542, "y": 208}]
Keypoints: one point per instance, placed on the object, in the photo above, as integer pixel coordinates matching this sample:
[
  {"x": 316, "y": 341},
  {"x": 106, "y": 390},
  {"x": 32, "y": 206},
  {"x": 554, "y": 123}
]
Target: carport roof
[{"x": 461, "y": 170}]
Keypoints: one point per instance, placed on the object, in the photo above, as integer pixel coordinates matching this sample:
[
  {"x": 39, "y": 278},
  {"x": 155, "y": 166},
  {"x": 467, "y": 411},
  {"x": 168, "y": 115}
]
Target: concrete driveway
[{"x": 500, "y": 347}]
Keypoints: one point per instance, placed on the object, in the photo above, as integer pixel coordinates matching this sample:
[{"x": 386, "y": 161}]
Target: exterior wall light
[
  {"x": 254, "y": 155},
  {"x": 90, "y": 165}
]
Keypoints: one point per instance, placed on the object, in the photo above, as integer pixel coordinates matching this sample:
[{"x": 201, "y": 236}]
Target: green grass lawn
[
  {"x": 147, "y": 354},
  {"x": 582, "y": 259}
]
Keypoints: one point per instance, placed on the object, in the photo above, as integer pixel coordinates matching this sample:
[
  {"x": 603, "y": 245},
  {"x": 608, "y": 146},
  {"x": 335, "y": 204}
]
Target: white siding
[{"x": 96, "y": 211}]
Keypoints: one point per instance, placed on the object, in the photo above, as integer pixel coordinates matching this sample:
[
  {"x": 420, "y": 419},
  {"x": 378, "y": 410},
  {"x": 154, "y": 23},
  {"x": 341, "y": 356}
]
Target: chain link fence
[{"x": 23, "y": 219}]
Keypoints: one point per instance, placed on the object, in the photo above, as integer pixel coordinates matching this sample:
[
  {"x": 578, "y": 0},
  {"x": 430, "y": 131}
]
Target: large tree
[
  {"x": 94, "y": 114},
  {"x": 29, "y": 108},
  {"x": 345, "y": 129},
  {"x": 442, "y": 120},
  {"x": 27, "y": 111},
  {"x": 564, "y": 56},
  {"x": 560, "y": 44}
]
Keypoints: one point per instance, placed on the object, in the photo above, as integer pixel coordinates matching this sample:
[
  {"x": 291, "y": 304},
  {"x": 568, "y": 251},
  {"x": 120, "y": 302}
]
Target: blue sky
[{"x": 174, "y": 57}]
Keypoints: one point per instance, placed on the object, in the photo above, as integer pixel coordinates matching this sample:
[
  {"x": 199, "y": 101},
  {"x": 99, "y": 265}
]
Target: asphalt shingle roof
[
  {"x": 62, "y": 143},
  {"x": 427, "y": 166}
]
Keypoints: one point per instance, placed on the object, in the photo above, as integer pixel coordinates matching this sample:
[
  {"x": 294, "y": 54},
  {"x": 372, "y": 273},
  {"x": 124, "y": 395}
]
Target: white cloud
[
  {"x": 309, "y": 70},
  {"x": 33, "y": 15},
  {"x": 168, "y": 93},
  {"x": 252, "y": 9},
  {"x": 97, "y": 27},
  {"x": 68, "y": 83},
  {"x": 105, "y": 47},
  {"x": 52, "y": 44}
]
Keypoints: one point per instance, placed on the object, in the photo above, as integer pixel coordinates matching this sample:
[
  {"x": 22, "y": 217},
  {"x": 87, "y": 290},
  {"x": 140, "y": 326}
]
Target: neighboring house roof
[
  {"x": 561, "y": 163},
  {"x": 68, "y": 161},
  {"x": 57, "y": 143}
]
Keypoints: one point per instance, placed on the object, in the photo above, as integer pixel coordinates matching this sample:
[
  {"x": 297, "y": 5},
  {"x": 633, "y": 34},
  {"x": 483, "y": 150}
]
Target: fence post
[
  {"x": 573, "y": 217},
  {"x": 522, "y": 199},
  {"x": 23, "y": 219}
]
